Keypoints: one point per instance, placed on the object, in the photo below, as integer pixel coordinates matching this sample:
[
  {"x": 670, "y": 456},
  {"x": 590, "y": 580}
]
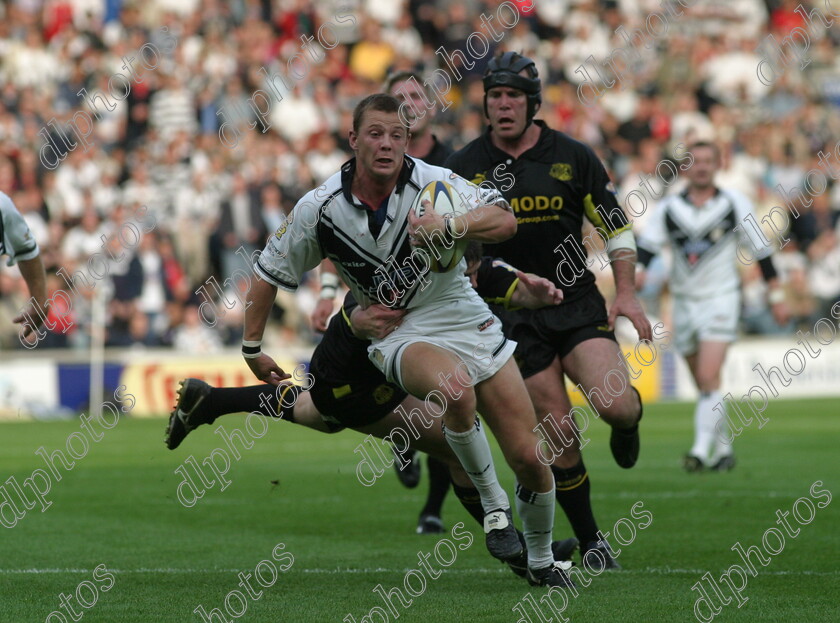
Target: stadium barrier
[
  {"x": 51, "y": 384},
  {"x": 56, "y": 384}
]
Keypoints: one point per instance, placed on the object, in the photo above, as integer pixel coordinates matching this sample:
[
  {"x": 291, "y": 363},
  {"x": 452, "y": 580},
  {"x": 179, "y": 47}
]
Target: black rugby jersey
[
  {"x": 550, "y": 187},
  {"x": 440, "y": 152}
]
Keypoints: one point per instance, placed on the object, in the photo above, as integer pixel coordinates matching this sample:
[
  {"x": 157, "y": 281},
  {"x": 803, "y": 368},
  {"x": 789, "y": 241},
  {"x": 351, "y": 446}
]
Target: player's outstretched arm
[
  {"x": 533, "y": 291},
  {"x": 493, "y": 222},
  {"x": 623, "y": 263},
  {"x": 35, "y": 277},
  {"x": 260, "y": 299},
  {"x": 487, "y": 223}
]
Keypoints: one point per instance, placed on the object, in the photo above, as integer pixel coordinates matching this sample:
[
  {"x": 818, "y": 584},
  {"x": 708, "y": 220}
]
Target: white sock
[
  {"x": 723, "y": 438},
  {"x": 473, "y": 452},
  {"x": 537, "y": 513},
  {"x": 705, "y": 419}
]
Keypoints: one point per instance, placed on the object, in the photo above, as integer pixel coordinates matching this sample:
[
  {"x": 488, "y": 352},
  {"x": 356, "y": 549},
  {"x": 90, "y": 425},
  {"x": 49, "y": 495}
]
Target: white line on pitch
[{"x": 499, "y": 571}]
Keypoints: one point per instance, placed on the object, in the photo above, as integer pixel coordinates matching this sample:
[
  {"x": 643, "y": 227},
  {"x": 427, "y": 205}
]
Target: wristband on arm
[
  {"x": 251, "y": 349},
  {"x": 329, "y": 285}
]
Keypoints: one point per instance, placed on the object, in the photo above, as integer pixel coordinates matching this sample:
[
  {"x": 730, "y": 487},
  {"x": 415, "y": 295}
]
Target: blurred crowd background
[{"x": 160, "y": 146}]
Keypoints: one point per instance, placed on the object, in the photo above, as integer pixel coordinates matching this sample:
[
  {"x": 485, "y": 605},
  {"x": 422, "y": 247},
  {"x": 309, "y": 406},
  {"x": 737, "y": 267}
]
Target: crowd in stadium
[{"x": 209, "y": 194}]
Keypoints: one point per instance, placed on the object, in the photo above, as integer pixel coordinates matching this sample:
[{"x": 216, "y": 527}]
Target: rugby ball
[{"x": 444, "y": 200}]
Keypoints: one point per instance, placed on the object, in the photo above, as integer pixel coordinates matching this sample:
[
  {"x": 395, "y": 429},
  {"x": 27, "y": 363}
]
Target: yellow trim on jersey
[
  {"x": 504, "y": 300},
  {"x": 346, "y": 318},
  {"x": 509, "y": 293},
  {"x": 597, "y": 221}
]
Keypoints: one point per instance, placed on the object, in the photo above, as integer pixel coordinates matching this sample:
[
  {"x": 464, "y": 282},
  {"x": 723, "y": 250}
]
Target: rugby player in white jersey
[
  {"x": 360, "y": 219},
  {"x": 710, "y": 229},
  {"x": 17, "y": 242}
]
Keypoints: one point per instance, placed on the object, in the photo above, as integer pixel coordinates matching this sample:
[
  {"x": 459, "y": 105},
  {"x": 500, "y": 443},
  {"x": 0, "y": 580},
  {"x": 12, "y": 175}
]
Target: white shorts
[
  {"x": 465, "y": 327},
  {"x": 713, "y": 319}
]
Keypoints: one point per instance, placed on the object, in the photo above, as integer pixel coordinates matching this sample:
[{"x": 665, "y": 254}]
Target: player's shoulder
[
  {"x": 424, "y": 173},
  {"x": 7, "y": 206},
  {"x": 563, "y": 144},
  {"x": 469, "y": 155},
  {"x": 735, "y": 196},
  {"x": 670, "y": 200},
  {"x": 317, "y": 198},
  {"x": 440, "y": 152}
]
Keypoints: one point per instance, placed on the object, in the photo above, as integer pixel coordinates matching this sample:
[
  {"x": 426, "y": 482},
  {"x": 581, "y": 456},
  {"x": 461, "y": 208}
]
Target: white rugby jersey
[
  {"x": 16, "y": 240},
  {"x": 704, "y": 241},
  {"x": 330, "y": 222}
]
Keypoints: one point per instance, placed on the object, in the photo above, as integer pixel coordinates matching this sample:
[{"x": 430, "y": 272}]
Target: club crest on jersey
[
  {"x": 383, "y": 394},
  {"x": 378, "y": 357},
  {"x": 280, "y": 231},
  {"x": 487, "y": 323},
  {"x": 561, "y": 171}
]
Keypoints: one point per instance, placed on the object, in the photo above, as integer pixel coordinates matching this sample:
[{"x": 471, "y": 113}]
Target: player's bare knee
[
  {"x": 461, "y": 407},
  {"x": 623, "y": 412},
  {"x": 524, "y": 461},
  {"x": 708, "y": 383}
]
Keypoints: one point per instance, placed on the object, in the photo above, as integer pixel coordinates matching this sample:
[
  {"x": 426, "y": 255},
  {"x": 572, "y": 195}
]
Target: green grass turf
[{"x": 118, "y": 507}]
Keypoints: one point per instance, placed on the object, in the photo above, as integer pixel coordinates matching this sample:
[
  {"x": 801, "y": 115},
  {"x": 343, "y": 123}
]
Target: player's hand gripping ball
[{"x": 442, "y": 251}]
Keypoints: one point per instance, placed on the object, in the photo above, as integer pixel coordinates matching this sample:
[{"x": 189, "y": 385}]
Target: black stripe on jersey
[
  {"x": 694, "y": 248},
  {"x": 399, "y": 239},
  {"x": 273, "y": 279},
  {"x": 405, "y": 252},
  {"x": 322, "y": 216},
  {"x": 360, "y": 252},
  {"x": 26, "y": 250},
  {"x": 351, "y": 279},
  {"x": 707, "y": 256},
  {"x": 360, "y": 267},
  {"x": 2, "y": 235}
]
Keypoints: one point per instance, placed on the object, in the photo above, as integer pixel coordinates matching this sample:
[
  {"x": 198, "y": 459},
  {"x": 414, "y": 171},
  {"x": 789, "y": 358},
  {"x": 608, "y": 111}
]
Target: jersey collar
[
  {"x": 684, "y": 195},
  {"x": 349, "y": 168}
]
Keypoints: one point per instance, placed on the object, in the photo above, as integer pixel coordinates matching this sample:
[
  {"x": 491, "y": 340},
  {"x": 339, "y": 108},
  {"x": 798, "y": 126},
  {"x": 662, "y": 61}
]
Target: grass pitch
[{"x": 118, "y": 507}]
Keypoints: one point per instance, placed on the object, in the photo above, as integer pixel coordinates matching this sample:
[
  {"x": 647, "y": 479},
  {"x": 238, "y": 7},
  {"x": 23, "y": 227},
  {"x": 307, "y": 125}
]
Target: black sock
[
  {"x": 572, "y": 493},
  {"x": 471, "y": 500},
  {"x": 261, "y": 399},
  {"x": 438, "y": 487}
]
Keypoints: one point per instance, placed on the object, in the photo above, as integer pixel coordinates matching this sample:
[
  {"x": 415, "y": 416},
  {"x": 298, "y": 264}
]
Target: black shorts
[
  {"x": 352, "y": 405},
  {"x": 542, "y": 334}
]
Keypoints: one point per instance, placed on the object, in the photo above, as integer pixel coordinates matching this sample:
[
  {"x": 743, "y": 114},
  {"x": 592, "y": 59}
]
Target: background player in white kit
[
  {"x": 361, "y": 219},
  {"x": 17, "y": 242},
  {"x": 706, "y": 226}
]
